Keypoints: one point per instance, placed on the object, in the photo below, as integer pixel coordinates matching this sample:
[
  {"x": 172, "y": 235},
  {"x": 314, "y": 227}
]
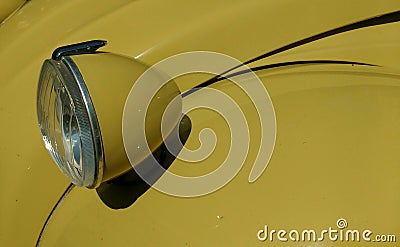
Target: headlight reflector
[{"x": 68, "y": 122}]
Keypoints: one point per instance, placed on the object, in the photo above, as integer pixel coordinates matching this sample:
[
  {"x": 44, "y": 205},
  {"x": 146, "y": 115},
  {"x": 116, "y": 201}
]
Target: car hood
[{"x": 31, "y": 184}]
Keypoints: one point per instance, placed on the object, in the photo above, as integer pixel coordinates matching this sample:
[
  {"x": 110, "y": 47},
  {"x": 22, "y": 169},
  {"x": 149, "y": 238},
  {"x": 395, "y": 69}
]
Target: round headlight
[{"x": 68, "y": 122}]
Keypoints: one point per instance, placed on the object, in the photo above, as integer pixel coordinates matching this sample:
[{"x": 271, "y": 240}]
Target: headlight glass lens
[{"x": 68, "y": 122}]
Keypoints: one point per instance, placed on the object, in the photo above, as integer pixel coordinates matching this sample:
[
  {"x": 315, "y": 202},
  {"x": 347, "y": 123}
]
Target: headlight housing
[
  {"x": 68, "y": 122},
  {"x": 70, "y": 125}
]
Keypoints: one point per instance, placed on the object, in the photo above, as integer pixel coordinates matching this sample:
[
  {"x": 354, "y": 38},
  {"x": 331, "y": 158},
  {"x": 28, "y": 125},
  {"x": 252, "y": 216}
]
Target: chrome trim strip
[{"x": 95, "y": 134}]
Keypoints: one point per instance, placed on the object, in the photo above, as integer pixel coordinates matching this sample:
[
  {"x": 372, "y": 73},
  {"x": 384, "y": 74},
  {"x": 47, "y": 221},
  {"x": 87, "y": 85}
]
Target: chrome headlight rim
[{"x": 65, "y": 75}]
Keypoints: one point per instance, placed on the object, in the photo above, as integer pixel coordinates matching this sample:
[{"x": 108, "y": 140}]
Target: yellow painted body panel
[
  {"x": 338, "y": 137},
  {"x": 8, "y": 6},
  {"x": 335, "y": 157}
]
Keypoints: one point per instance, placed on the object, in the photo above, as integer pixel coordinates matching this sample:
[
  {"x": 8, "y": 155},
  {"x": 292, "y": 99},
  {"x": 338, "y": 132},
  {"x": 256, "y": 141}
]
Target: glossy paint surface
[
  {"x": 335, "y": 157},
  {"x": 9, "y": 6},
  {"x": 337, "y": 146}
]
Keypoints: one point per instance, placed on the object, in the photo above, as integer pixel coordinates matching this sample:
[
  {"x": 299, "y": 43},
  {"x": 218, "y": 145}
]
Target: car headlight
[
  {"x": 70, "y": 125},
  {"x": 68, "y": 122}
]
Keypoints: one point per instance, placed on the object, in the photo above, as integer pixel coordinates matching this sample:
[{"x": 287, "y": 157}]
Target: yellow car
[{"x": 200, "y": 123}]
